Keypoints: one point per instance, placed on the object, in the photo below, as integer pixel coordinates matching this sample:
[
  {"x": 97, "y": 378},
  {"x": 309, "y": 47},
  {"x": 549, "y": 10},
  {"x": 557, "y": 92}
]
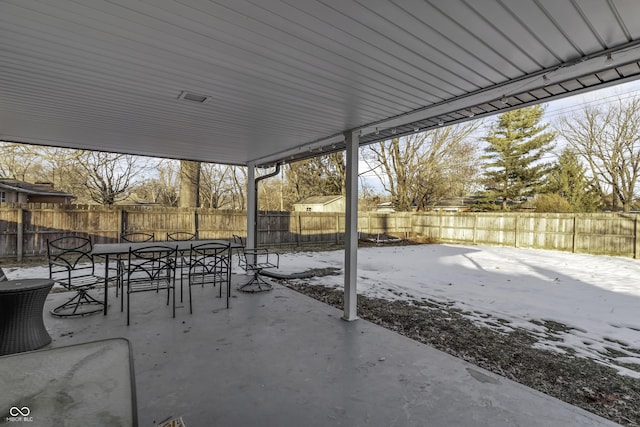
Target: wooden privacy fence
[
  {"x": 614, "y": 234},
  {"x": 24, "y": 229}
]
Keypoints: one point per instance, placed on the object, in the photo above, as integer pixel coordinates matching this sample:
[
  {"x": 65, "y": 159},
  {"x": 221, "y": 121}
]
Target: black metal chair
[
  {"x": 133, "y": 237},
  {"x": 255, "y": 261},
  {"x": 151, "y": 269},
  {"x": 210, "y": 263},
  {"x": 71, "y": 265},
  {"x": 241, "y": 241},
  {"x": 137, "y": 236},
  {"x": 182, "y": 261}
]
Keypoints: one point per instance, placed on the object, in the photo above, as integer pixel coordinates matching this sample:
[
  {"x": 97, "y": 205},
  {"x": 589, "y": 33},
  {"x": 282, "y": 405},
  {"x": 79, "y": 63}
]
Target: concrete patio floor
[{"x": 280, "y": 358}]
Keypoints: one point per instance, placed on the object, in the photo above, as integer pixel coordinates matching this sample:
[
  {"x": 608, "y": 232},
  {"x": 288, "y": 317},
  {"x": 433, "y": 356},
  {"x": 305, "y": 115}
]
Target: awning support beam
[
  {"x": 252, "y": 207},
  {"x": 352, "y": 141}
]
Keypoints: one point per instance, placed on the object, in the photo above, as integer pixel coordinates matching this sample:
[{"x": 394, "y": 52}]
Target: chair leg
[
  {"x": 190, "y": 300},
  {"x": 122, "y": 296},
  {"x": 81, "y": 298},
  {"x": 118, "y": 276},
  {"x": 181, "y": 276}
]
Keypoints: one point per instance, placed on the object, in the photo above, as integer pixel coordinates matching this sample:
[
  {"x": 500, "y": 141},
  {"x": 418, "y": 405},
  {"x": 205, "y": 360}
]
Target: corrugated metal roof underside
[{"x": 280, "y": 77}]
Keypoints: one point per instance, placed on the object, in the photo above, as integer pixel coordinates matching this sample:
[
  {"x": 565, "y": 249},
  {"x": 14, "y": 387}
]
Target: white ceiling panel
[{"x": 284, "y": 76}]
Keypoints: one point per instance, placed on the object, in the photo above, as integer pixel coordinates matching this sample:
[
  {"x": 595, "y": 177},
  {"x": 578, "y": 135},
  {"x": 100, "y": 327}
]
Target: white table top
[{"x": 85, "y": 384}]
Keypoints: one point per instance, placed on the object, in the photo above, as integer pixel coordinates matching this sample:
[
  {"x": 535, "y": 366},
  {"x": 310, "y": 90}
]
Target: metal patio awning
[{"x": 237, "y": 81}]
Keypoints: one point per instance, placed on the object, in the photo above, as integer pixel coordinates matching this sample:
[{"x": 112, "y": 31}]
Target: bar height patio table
[
  {"x": 107, "y": 250},
  {"x": 21, "y": 323}
]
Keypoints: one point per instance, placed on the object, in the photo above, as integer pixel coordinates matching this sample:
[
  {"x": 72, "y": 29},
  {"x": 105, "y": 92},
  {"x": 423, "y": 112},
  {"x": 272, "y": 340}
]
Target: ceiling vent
[{"x": 194, "y": 97}]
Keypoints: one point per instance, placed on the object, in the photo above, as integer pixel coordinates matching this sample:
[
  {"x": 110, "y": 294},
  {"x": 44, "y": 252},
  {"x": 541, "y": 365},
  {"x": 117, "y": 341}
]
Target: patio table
[
  {"x": 107, "y": 250},
  {"x": 84, "y": 384},
  {"x": 21, "y": 324}
]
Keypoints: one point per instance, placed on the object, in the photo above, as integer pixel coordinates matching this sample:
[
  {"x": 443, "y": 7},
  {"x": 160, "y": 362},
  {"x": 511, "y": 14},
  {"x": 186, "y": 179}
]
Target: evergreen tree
[
  {"x": 568, "y": 179},
  {"x": 552, "y": 202},
  {"x": 517, "y": 142}
]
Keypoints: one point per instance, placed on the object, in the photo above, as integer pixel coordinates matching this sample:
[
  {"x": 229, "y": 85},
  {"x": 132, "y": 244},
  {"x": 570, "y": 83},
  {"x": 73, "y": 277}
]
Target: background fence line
[{"x": 25, "y": 228}]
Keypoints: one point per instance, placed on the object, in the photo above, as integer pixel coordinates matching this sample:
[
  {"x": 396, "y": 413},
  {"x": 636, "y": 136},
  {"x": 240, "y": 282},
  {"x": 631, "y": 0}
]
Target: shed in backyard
[{"x": 334, "y": 203}]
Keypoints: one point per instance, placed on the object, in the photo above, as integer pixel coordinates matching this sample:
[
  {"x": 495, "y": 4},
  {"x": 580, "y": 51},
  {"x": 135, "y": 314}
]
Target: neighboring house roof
[
  {"x": 456, "y": 201},
  {"x": 29, "y": 188},
  {"x": 319, "y": 200},
  {"x": 385, "y": 205}
]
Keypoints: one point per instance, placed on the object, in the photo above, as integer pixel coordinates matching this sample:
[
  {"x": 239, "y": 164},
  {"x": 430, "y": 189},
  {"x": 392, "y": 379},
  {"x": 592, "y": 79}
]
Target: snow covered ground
[{"x": 596, "y": 297}]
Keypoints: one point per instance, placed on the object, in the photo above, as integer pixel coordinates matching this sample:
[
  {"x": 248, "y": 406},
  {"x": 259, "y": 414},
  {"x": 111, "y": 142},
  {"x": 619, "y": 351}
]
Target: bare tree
[
  {"x": 62, "y": 169},
  {"x": 163, "y": 189},
  {"x": 216, "y": 186},
  {"x": 423, "y": 168},
  {"x": 106, "y": 177},
  {"x": 238, "y": 189},
  {"x": 269, "y": 194},
  {"x": 319, "y": 176},
  {"x": 19, "y": 161},
  {"x": 607, "y": 138}
]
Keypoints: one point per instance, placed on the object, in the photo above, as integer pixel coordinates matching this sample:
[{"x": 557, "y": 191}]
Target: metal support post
[{"x": 352, "y": 141}]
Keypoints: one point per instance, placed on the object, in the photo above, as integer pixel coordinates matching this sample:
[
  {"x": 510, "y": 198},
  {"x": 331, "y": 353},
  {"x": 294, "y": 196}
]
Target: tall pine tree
[
  {"x": 568, "y": 178},
  {"x": 516, "y": 144}
]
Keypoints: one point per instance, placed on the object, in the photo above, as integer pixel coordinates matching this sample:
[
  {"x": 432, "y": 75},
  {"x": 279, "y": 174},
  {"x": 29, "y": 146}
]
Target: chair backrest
[
  {"x": 152, "y": 263},
  {"x": 180, "y": 236},
  {"x": 137, "y": 236},
  {"x": 258, "y": 259},
  {"x": 210, "y": 257},
  {"x": 69, "y": 252}
]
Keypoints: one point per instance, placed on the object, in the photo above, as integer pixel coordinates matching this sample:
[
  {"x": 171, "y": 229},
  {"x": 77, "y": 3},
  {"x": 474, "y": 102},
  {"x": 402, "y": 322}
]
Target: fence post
[
  {"x": 123, "y": 223},
  {"x": 298, "y": 227},
  {"x": 636, "y": 240},
  {"x": 475, "y": 228},
  {"x": 516, "y": 242},
  {"x": 195, "y": 228},
  {"x": 575, "y": 233},
  {"x": 20, "y": 235},
  {"x": 120, "y": 224}
]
